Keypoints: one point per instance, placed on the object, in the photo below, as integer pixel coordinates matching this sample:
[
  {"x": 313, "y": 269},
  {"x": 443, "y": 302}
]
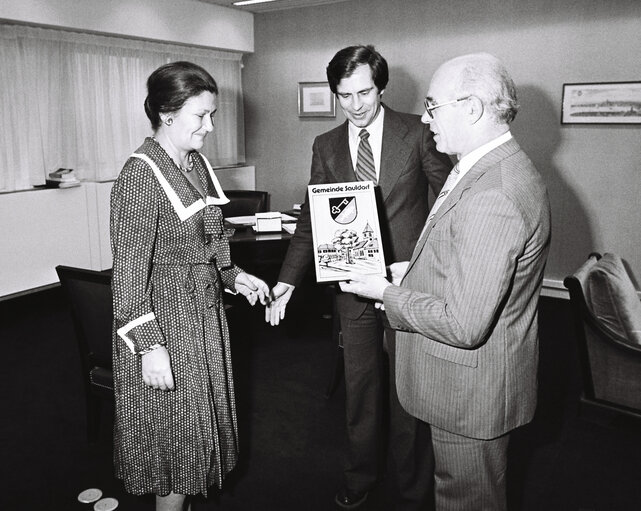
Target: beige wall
[
  {"x": 593, "y": 172},
  {"x": 185, "y": 21}
]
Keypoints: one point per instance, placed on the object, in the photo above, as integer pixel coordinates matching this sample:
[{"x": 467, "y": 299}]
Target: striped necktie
[{"x": 365, "y": 168}]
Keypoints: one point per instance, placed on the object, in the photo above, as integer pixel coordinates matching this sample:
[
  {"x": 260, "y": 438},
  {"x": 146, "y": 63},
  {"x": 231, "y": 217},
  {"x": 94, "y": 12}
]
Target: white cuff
[{"x": 123, "y": 331}]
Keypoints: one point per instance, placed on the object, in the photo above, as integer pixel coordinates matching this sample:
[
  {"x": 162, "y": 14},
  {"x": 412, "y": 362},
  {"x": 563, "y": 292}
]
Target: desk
[
  {"x": 263, "y": 255},
  {"x": 247, "y": 235},
  {"x": 259, "y": 253}
]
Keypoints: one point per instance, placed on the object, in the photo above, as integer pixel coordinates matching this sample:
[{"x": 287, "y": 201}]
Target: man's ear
[{"x": 475, "y": 109}]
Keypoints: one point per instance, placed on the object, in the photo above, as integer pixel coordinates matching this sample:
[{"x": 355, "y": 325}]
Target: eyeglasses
[{"x": 429, "y": 108}]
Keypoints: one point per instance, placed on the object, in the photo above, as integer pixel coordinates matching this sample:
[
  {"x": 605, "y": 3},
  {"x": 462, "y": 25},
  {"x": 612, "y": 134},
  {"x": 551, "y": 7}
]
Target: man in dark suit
[
  {"x": 404, "y": 163},
  {"x": 467, "y": 346}
]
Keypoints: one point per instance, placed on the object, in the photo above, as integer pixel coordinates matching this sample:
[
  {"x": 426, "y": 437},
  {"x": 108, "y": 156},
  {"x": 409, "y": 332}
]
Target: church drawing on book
[{"x": 347, "y": 251}]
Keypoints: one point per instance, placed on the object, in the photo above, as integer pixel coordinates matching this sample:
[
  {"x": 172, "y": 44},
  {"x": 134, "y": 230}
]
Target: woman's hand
[
  {"x": 252, "y": 288},
  {"x": 156, "y": 369}
]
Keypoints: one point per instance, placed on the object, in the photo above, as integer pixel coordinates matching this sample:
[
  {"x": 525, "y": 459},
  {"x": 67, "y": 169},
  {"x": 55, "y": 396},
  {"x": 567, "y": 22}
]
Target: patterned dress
[{"x": 170, "y": 262}]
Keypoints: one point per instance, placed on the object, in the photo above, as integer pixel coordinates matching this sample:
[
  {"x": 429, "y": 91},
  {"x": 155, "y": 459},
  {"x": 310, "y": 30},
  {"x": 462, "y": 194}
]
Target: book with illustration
[{"x": 346, "y": 232}]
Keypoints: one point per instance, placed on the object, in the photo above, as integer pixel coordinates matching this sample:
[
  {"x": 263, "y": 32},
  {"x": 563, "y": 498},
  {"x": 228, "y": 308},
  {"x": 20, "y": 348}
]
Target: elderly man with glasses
[{"x": 464, "y": 305}]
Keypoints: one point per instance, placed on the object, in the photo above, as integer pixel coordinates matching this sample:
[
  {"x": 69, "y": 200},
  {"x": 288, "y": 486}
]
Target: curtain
[{"x": 76, "y": 100}]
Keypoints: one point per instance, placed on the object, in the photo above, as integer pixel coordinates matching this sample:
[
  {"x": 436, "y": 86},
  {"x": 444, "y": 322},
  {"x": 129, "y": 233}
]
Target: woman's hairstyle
[
  {"x": 171, "y": 85},
  {"x": 348, "y": 59}
]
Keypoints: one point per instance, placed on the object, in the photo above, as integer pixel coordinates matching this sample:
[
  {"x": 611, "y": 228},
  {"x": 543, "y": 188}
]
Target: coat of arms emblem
[{"x": 343, "y": 210}]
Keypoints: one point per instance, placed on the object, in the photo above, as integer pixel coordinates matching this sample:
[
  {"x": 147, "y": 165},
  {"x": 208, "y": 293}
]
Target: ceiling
[{"x": 276, "y": 5}]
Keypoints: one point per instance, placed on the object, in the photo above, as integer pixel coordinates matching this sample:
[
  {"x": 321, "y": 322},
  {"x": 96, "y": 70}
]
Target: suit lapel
[
  {"x": 487, "y": 162},
  {"x": 338, "y": 157},
  {"x": 394, "y": 151}
]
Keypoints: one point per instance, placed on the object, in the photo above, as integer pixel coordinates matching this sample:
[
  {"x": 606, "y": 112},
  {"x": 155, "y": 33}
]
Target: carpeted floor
[{"x": 291, "y": 436}]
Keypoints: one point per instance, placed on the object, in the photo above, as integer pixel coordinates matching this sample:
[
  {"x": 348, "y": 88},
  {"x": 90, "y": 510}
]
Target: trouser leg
[
  {"x": 410, "y": 447},
  {"x": 363, "y": 358},
  {"x": 470, "y": 474}
]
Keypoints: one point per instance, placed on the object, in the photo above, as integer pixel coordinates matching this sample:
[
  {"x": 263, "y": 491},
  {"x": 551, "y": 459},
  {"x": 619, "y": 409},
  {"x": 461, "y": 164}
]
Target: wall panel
[{"x": 593, "y": 173}]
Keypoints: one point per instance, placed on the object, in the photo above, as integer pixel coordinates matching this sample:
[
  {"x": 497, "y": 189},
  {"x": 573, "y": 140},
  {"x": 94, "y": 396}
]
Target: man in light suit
[
  {"x": 406, "y": 164},
  {"x": 465, "y": 305}
]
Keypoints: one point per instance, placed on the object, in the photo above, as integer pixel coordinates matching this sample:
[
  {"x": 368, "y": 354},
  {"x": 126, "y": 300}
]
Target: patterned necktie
[
  {"x": 450, "y": 183},
  {"x": 365, "y": 168}
]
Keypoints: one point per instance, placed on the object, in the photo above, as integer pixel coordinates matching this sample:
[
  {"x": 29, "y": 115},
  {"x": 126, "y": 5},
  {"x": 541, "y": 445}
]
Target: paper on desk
[
  {"x": 242, "y": 220},
  {"x": 290, "y": 228},
  {"x": 261, "y": 236},
  {"x": 251, "y": 219}
]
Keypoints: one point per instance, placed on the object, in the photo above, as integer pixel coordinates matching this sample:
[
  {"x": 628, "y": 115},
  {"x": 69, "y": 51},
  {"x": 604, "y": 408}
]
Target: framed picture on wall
[
  {"x": 315, "y": 99},
  {"x": 601, "y": 103}
]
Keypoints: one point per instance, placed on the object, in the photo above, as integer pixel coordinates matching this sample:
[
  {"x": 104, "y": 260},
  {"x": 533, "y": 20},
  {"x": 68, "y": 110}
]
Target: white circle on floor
[
  {"x": 90, "y": 495},
  {"x": 108, "y": 504}
]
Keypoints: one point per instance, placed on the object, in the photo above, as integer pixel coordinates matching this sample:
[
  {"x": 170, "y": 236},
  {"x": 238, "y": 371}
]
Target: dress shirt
[
  {"x": 463, "y": 166},
  {"x": 375, "y": 131},
  {"x": 470, "y": 159}
]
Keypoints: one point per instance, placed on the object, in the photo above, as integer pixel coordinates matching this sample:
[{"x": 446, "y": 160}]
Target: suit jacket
[
  {"x": 467, "y": 352},
  {"x": 409, "y": 164}
]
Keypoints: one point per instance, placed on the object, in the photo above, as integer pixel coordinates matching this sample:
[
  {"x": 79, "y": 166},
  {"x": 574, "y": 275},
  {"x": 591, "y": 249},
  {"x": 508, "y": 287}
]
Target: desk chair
[
  {"x": 607, "y": 316},
  {"x": 245, "y": 202},
  {"x": 89, "y": 296}
]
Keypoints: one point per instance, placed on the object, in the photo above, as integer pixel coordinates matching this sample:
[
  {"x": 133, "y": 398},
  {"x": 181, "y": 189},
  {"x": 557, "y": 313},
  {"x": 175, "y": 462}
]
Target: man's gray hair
[{"x": 484, "y": 76}]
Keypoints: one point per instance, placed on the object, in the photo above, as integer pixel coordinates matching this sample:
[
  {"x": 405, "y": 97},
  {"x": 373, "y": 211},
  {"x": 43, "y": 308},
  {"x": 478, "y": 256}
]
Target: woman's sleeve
[
  {"x": 228, "y": 277},
  {"x": 133, "y": 229}
]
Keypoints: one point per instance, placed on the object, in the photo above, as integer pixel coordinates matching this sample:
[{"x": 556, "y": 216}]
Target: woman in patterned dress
[{"x": 175, "y": 431}]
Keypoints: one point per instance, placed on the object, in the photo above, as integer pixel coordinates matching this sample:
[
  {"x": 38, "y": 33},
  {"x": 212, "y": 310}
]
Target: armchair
[
  {"x": 607, "y": 316},
  {"x": 89, "y": 295},
  {"x": 245, "y": 202}
]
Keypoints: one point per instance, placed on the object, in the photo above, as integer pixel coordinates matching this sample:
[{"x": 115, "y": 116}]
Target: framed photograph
[
  {"x": 601, "y": 103},
  {"x": 346, "y": 232},
  {"x": 315, "y": 99}
]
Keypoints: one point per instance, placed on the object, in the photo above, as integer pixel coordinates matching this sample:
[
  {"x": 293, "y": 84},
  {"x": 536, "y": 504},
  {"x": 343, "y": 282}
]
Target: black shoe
[{"x": 348, "y": 499}]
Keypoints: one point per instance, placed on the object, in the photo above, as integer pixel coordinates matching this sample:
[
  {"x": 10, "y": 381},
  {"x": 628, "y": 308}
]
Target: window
[{"x": 76, "y": 100}]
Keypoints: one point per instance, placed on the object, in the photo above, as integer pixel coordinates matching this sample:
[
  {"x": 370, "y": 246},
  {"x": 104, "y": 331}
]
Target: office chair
[
  {"x": 245, "y": 202},
  {"x": 607, "y": 316},
  {"x": 89, "y": 295}
]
